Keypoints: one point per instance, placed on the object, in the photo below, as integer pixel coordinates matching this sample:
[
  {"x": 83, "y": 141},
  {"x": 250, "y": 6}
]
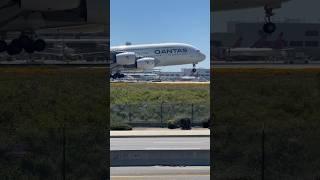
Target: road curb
[{"x": 156, "y": 136}]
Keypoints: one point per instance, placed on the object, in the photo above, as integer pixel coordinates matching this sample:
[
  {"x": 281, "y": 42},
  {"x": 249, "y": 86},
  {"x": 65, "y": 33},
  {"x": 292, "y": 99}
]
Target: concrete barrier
[{"x": 160, "y": 157}]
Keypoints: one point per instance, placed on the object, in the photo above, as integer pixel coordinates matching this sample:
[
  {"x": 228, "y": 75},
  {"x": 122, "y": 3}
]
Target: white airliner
[
  {"x": 29, "y": 16},
  {"x": 269, "y": 5},
  {"x": 149, "y": 56}
]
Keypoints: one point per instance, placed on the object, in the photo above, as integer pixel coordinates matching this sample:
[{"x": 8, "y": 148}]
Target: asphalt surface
[
  {"x": 158, "y": 143},
  {"x": 264, "y": 65},
  {"x": 161, "y": 173}
]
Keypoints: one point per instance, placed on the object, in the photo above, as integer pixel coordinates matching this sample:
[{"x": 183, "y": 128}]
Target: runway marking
[
  {"x": 177, "y": 142},
  {"x": 151, "y": 148}
]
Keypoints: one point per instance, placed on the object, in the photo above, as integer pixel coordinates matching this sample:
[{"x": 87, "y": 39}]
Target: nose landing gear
[
  {"x": 194, "y": 70},
  {"x": 269, "y": 27}
]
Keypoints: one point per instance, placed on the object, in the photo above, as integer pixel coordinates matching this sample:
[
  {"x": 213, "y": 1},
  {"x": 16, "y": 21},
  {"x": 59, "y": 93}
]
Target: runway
[
  {"x": 161, "y": 173},
  {"x": 159, "y": 143}
]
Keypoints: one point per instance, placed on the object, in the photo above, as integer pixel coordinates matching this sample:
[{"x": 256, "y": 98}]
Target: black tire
[
  {"x": 14, "y": 47},
  {"x": 269, "y": 28},
  {"x": 29, "y": 49},
  {"x": 25, "y": 41},
  {"x": 39, "y": 45},
  {"x": 194, "y": 70},
  {"x": 3, "y": 46}
]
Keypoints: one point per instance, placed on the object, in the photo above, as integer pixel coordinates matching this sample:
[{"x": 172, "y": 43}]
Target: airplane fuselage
[{"x": 165, "y": 54}]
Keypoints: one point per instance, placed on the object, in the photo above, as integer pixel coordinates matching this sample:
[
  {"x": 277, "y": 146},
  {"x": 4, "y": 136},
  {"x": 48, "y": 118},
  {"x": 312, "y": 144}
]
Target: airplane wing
[{"x": 18, "y": 15}]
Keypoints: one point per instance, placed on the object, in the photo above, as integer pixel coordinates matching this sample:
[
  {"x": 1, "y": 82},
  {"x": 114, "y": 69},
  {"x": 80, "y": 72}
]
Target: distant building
[
  {"x": 200, "y": 75},
  {"x": 298, "y": 35}
]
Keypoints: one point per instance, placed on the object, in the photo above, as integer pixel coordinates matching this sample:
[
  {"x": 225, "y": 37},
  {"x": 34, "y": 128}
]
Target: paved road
[
  {"x": 264, "y": 65},
  {"x": 161, "y": 173},
  {"x": 158, "y": 143}
]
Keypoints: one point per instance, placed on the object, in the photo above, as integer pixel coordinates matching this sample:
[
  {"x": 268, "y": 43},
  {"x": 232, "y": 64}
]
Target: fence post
[
  {"x": 192, "y": 114},
  {"x": 129, "y": 113},
  {"x": 63, "y": 150},
  {"x": 161, "y": 111},
  {"x": 262, "y": 152}
]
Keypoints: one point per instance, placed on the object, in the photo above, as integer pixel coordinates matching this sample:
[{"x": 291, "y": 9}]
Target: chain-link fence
[
  {"x": 251, "y": 152},
  {"x": 157, "y": 115}
]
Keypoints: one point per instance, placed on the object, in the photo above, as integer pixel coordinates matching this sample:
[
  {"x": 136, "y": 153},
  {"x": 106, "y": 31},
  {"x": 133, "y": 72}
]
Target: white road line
[{"x": 151, "y": 148}]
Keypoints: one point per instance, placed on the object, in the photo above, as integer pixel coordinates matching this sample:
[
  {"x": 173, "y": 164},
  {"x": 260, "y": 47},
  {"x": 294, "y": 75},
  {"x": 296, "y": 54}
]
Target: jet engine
[
  {"x": 126, "y": 58},
  {"x": 146, "y": 63},
  {"x": 49, "y": 5}
]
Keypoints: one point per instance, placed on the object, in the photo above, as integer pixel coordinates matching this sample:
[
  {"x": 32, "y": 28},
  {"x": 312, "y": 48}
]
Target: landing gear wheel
[
  {"x": 194, "y": 68},
  {"x": 29, "y": 49},
  {"x": 14, "y": 47},
  {"x": 25, "y": 41},
  {"x": 26, "y": 44},
  {"x": 3, "y": 46},
  {"x": 117, "y": 75},
  {"x": 39, "y": 45},
  {"x": 269, "y": 27}
]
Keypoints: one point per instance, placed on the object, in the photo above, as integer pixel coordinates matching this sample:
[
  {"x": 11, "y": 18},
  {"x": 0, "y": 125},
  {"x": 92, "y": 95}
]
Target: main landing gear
[
  {"x": 117, "y": 75},
  {"x": 269, "y": 27},
  {"x": 24, "y": 42}
]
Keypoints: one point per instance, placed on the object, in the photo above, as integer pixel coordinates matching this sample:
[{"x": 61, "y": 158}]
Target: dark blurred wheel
[
  {"x": 269, "y": 28},
  {"x": 30, "y": 48},
  {"x": 14, "y": 47},
  {"x": 39, "y": 45},
  {"x": 25, "y": 41},
  {"x": 3, "y": 46}
]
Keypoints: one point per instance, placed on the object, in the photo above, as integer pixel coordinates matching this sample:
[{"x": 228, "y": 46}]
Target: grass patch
[
  {"x": 155, "y": 103},
  {"x": 287, "y": 103},
  {"x": 35, "y": 104}
]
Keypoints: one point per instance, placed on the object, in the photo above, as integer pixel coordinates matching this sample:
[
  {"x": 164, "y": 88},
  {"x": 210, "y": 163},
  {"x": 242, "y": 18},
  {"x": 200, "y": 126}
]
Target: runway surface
[
  {"x": 161, "y": 173},
  {"x": 158, "y": 143}
]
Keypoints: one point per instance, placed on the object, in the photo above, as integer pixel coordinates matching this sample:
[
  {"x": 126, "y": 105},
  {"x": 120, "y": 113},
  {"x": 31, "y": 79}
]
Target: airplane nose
[{"x": 202, "y": 56}]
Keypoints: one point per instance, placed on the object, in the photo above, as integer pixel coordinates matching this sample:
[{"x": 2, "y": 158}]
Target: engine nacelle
[
  {"x": 126, "y": 58},
  {"x": 49, "y": 5},
  {"x": 146, "y": 63}
]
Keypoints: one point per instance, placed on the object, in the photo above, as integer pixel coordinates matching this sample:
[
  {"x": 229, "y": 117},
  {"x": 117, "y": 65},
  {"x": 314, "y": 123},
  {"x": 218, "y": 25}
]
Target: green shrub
[
  {"x": 120, "y": 126},
  {"x": 205, "y": 124},
  {"x": 173, "y": 124},
  {"x": 185, "y": 123}
]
